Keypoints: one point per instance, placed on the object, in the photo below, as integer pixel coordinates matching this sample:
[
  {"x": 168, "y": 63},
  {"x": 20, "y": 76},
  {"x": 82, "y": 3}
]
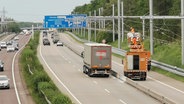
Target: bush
[
  {"x": 57, "y": 98},
  {"x": 39, "y": 81},
  {"x": 61, "y": 99},
  {"x": 45, "y": 86},
  {"x": 39, "y": 77}
]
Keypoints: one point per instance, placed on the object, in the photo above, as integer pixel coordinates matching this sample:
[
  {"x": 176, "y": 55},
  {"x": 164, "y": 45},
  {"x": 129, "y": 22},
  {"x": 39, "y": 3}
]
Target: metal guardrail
[
  {"x": 48, "y": 101},
  {"x": 164, "y": 66},
  {"x": 29, "y": 68},
  {"x": 167, "y": 67}
]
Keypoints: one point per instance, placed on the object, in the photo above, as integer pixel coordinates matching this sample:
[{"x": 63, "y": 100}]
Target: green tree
[{"x": 164, "y": 29}]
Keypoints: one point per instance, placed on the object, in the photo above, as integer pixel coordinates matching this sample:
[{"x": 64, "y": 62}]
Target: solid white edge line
[
  {"x": 166, "y": 85},
  {"x": 58, "y": 78},
  {"x": 13, "y": 74}
]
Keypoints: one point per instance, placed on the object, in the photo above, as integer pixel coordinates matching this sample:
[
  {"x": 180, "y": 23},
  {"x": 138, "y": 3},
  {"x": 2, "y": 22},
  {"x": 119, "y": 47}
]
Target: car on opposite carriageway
[
  {"x": 10, "y": 48},
  {"x": 4, "y": 82},
  {"x": 3, "y": 44},
  {"x": 1, "y": 65}
]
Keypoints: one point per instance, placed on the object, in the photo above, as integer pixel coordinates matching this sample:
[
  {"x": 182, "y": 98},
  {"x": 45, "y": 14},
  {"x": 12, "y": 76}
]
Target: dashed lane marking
[
  {"x": 107, "y": 91},
  {"x": 122, "y": 101}
]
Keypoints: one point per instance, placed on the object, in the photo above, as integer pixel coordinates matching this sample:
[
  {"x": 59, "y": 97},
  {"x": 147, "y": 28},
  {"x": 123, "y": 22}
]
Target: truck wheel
[
  {"x": 107, "y": 75},
  {"x": 125, "y": 74},
  {"x": 144, "y": 78},
  {"x": 89, "y": 73},
  {"x": 84, "y": 69}
]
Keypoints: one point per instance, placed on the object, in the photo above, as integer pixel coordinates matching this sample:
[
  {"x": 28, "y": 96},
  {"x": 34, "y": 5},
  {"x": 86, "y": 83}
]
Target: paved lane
[
  {"x": 8, "y": 96},
  {"x": 163, "y": 85},
  {"x": 67, "y": 66}
]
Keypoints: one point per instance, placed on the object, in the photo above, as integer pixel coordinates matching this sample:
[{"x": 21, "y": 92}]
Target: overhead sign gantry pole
[
  {"x": 119, "y": 26},
  {"x": 182, "y": 30},
  {"x": 151, "y": 25}
]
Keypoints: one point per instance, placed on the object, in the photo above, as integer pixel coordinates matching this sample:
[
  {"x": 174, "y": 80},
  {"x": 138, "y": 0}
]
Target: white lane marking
[
  {"x": 13, "y": 74},
  {"x": 166, "y": 85},
  {"x": 107, "y": 91},
  {"x": 65, "y": 58},
  {"x": 58, "y": 78},
  {"x": 122, "y": 101},
  {"x": 95, "y": 82}
]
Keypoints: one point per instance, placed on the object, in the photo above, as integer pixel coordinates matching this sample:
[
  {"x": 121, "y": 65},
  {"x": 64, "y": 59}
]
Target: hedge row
[{"x": 39, "y": 82}]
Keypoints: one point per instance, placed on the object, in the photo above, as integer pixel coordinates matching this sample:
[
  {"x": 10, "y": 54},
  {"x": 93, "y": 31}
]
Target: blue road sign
[{"x": 65, "y": 21}]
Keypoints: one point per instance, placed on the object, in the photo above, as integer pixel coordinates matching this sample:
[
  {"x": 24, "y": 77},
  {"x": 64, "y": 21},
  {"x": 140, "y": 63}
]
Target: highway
[
  {"x": 164, "y": 86},
  {"x": 65, "y": 69},
  {"x": 18, "y": 92}
]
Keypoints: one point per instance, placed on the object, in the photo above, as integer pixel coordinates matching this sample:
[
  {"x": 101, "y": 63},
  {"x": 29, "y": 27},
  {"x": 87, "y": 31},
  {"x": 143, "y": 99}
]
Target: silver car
[
  {"x": 10, "y": 48},
  {"x": 4, "y": 82},
  {"x": 59, "y": 43},
  {"x": 3, "y": 45}
]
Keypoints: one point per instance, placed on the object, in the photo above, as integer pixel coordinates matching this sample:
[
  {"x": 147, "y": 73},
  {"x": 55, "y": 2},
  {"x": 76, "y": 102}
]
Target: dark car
[
  {"x": 1, "y": 65},
  {"x": 52, "y": 35},
  {"x": 44, "y": 33},
  {"x": 55, "y": 39},
  {"x": 46, "y": 42}
]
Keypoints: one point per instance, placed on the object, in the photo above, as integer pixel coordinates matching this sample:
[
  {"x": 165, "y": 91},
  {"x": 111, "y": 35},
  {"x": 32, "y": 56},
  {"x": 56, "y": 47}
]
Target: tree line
[{"x": 169, "y": 30}]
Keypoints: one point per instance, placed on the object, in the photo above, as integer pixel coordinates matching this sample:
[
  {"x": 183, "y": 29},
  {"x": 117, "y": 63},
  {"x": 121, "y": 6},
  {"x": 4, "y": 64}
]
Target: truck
[
  {"x": 56, "y": 38},
  {"x": 137, "y": 60},
  {"x": 97, "y": 59}
]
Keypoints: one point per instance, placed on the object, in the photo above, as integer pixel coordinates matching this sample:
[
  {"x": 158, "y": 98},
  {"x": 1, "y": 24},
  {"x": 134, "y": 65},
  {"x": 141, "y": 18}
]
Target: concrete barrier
[{"x": 150, "y": 92}]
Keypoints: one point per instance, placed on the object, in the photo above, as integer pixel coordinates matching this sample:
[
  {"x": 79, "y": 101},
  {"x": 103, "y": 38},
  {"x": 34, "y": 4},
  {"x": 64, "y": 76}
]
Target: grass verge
[
  {"x": 169, "y": 74},
  {"x": 39, "y": 82}
]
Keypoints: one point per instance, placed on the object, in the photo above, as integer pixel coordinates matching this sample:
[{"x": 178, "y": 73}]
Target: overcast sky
[{"x": 35, "y": 10}]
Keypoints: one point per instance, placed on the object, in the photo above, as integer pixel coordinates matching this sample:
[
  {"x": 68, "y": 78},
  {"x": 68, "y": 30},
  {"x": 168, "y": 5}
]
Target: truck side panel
[{"x": 87, "y": 55}]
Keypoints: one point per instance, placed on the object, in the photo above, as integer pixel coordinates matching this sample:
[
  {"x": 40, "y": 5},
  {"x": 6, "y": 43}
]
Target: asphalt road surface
[
  {"x": 65, "y": 69},
  {"x": 164, "y": 86},
  {"x": 17, "y": 93}
]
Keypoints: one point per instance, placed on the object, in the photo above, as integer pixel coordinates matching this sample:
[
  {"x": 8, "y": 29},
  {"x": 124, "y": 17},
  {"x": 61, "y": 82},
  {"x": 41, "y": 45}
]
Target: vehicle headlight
[{"x": 1, "y": 65}]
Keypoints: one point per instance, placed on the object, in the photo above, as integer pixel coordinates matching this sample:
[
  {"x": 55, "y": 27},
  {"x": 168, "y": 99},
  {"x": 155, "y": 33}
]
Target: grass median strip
[{"x": 39, "y": 84}]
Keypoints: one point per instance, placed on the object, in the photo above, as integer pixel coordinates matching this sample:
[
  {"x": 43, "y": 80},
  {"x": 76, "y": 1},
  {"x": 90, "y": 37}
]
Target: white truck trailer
[{"x": 97, "y": 59}]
